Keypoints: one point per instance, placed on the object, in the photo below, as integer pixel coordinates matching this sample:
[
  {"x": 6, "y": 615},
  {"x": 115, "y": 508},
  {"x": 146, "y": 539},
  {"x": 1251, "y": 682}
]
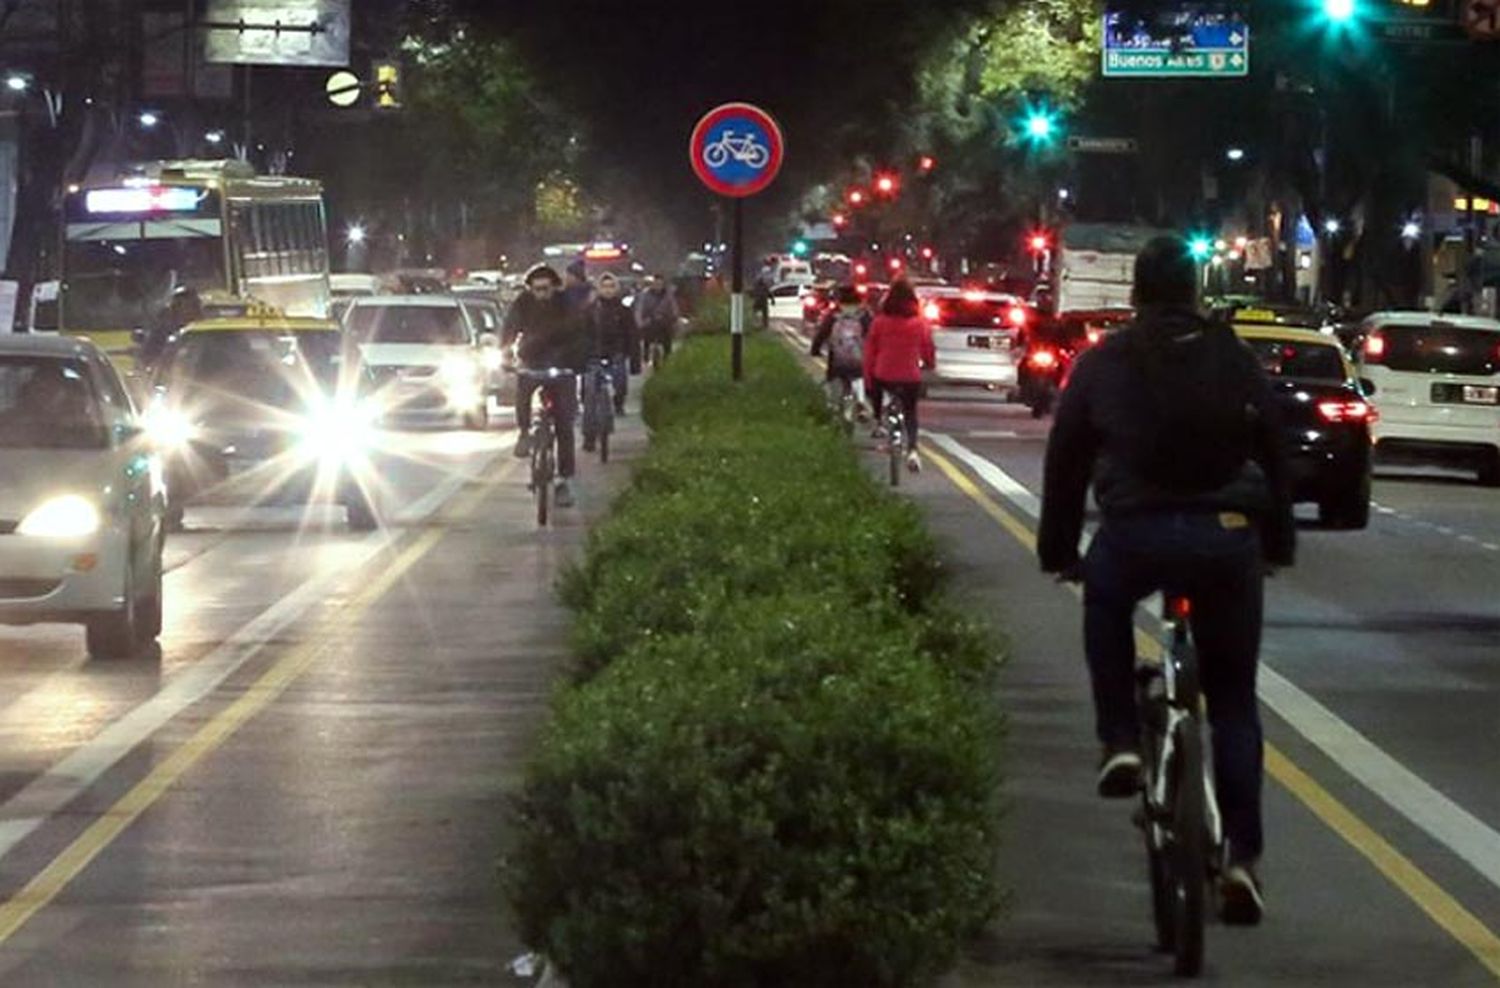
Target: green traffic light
[
  {"x": 1039, "y": 127},
  {"x": 799, "y": 248},
  {"x": 1340, "y": 11},
  {"x": 1200, "y": 248}
]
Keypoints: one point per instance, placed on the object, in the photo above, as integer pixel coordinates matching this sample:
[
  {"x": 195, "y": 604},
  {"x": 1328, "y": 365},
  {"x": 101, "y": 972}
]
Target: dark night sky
[{"x": 640, "y": 72}]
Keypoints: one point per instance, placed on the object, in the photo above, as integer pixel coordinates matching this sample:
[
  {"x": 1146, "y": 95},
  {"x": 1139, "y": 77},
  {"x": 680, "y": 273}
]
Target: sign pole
[{"x": 737, "y": 296}]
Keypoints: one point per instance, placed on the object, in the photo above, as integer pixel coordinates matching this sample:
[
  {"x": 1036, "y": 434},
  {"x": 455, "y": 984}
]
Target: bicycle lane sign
[{"x": 736, "y": 149}]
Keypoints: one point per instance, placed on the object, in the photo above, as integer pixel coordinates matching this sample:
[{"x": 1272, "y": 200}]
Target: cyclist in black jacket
[
  {"x": 1173, "y": 421},
  {"x": 550, "y": 337}
]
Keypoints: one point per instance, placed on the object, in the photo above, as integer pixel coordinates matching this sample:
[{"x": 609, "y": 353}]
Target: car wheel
[
  {"x": 115, "y": 634},
  {"x": 1349, "y": 510},
  {"x": 1489, "y": 469},
  {"x": 360, "y": 512}
]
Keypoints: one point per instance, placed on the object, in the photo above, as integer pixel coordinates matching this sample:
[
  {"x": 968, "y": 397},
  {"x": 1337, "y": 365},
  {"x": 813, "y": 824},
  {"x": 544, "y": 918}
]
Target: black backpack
[{"x": 1199, "y": 395}]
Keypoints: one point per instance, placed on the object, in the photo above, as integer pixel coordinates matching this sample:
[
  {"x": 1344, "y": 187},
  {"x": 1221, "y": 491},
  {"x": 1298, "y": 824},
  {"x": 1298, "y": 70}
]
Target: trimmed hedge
[{"x": 776, "y": 764}]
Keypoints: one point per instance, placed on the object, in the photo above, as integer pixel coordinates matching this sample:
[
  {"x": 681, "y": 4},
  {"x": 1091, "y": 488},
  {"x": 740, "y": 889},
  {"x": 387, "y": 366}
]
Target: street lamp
[
  {"x": 1235, "y": 154},
  {"x": 17, "y": 83},
  {"x": 214, "y": 137},
  {"x": 1411, "y": 230},
  {"x": 148, "y": 119},
  {"x": 356, "y": 235},
  {"x": 1332, "y": 226}
]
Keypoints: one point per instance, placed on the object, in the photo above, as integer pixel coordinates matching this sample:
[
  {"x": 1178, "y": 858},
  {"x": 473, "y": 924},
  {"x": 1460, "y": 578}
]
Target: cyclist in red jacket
[{"x": 898, "y": 348}]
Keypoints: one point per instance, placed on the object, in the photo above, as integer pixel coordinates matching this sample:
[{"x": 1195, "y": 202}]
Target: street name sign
[
  {"x": 1183, "y": 45},
  {"x": 1102, "y": 145}
]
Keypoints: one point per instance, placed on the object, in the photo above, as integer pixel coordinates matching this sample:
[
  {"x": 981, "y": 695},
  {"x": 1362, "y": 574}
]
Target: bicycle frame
[{"x": 1181, "y": 705}]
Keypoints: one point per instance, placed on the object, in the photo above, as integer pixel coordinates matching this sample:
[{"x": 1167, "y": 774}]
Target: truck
[{"x": 1095, "y": 265}]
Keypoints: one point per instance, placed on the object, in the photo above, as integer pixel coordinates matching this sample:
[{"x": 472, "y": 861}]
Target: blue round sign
[{"x": 736, "y": 149}]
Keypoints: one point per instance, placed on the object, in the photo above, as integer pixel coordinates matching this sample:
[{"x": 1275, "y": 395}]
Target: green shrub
[{"x": 788, "y": 799}]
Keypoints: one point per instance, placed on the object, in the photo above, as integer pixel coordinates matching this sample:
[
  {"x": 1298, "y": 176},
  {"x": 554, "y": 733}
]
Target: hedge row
[{"x": 776, "y": 765}]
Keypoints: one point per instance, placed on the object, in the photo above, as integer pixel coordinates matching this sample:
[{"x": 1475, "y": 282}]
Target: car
[
  {"x": 975, "y": 334},
  {"x": 818, "y": 301},
  {"x": 344, "y": 288},
  {"x": 1326, "y": 416},
  {"x": 1436, "y": 381},
  {"x": 1239, "y": 311},
  {"x": 1050, "y": 344},
  {"x": 261, "y": 410},
  {"x": 427, "y": 356},
  {"x": 786, "y": 300},
  {"x": 82, "y": 500}
]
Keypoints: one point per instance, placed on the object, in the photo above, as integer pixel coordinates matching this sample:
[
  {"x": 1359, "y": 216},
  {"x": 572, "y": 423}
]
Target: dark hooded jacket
[
  {"x": 551, "y": 335},
  {"x": 1106, "y": 429}
]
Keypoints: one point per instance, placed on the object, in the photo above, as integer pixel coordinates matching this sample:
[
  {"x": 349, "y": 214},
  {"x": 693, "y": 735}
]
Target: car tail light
[
  {"x": 1043, "y": 359},
  {"x": 1347, "y": 411},
  {"x": 1374, "y": 348},
  {"x": 1017, "y": 316},
  {"x": 1180, "y": 608},
  {"x": 932, "y": 311},
  {"x": 810, "y": 302},
  {"x": 1094, "y": 335}
]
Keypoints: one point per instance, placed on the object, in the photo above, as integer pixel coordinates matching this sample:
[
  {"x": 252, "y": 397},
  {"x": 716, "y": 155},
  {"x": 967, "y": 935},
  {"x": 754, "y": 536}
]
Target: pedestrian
[
  {"x": 897, "y": 350},
  {"x": 656, "y": 314},
  {"x": 547, "y": 337},
  {"x": 760, "y": 295},
  {"x": 577, "y": 292},
  {"x": 843, "y": 331},
  {"x": 1172, "y": 421}
]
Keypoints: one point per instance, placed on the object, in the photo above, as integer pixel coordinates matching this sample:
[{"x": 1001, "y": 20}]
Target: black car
[{"x": 1327, "y": 419}]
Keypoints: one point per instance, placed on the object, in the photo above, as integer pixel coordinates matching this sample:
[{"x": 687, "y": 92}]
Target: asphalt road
[
  {"x": 1381, "y": 694},
  {"x": 305, "y": 784}
]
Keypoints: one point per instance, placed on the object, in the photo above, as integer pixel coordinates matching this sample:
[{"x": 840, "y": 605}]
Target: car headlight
[
  {"x": 493, "y": 358},
  {"x": 458, "y": 372},
  {"x": 66, "y": 517},
  {"x": 167, "y": 428},
  {"x": 338, "y": 430}
]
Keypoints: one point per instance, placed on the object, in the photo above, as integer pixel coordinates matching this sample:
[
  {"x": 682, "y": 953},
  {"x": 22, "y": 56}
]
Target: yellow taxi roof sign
[
  {"x": 1254, "y": 315},
  {"x": 277, "y": 323}
]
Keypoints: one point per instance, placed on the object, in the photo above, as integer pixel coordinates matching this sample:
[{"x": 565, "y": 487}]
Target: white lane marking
[
  {"x": 992, "y": 434},
  {"x": 1401, "y": 789},
  {"x": 51, "y": 791},
  {"x": 991, "y": 473}
]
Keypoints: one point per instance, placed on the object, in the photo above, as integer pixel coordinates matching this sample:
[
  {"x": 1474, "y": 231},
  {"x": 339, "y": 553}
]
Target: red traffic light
[
  {"x": 839, "y": 221},
  {"x": 1038, "y": 243},
  {"x": 886, "y": 184},
  {"x": 927, "y": 253},
  {"x": 861, "y": 270},
  {"x": 855, "y": 197},
  {"x": 926, "y": 163},
  {"x": 894, "y": 264}
]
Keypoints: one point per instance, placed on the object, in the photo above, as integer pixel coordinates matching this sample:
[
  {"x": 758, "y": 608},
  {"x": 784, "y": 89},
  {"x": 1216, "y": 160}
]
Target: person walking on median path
[
  {"x": 550, "y": 337},
  {"x": 898, "y": 348},
  {"x": 1173, "y": 422},
  {"x": 843, "y": 332}
]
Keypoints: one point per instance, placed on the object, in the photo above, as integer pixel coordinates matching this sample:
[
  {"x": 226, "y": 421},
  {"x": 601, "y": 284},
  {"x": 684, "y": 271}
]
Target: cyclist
[
  {"x": 898, "y": 348},
  {"x": 1172, "y": 418},
  {"x": 843, "y": 331},
  {"x": 577, "y": 292},
  {"x": 611, "y": 337},
  {"x": 549, "y": 337},
  {"x": 656, "y": 314}
]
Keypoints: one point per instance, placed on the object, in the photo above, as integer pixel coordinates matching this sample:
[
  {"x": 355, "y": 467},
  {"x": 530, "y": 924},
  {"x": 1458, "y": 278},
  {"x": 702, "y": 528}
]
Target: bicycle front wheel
[
  {"x": 1188, "y": 861},
  {"x": 898, "y": 443}
]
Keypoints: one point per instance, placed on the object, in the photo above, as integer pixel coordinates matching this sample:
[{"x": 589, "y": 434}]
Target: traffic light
[
  {"x": 855, "y": 197},
  {"x": 1340, "y": 11},
  {"x": 927, "y": 253},
  {"x": 1038, "y": 241},
  {"x": 894, "y": 264},
  {"x": 886, "y": 184},
  {"x": 1039, "y": 125},
  {"x": 387, "y": 86},
  {"x": 861, "y": 270},
  {"x": 839, "y": 221},
  {"x": 799, "y": 248},
  {"x": 926, "y": 163},
  {"x": 1200, "y": 247}
]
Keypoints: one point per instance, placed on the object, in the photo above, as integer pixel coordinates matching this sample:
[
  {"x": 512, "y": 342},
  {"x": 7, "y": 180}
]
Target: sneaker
[
  {"x": 1241, "y": 901},
  {"x": 913, "y": 462},
  {"x": 879, "y": 432},
  {"x": 1119, "y": 774},
  {"x": 523, "y": 447},
  {"x": 562, "y": 495},
  {"x": 588, "y": 445}
]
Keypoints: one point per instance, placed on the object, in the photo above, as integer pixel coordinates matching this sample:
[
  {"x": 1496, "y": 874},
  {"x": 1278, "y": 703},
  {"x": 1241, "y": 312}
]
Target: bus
[{"x": 130, "y": 242}]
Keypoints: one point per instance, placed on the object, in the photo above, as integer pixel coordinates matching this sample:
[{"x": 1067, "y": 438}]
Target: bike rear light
[
  {"x": 1043, "y": 358},
  {"x": 1180, "y": 607}
]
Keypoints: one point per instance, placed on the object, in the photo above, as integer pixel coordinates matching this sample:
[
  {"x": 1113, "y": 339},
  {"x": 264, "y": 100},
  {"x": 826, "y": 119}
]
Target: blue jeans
[{"x": 1217, "y": 564}]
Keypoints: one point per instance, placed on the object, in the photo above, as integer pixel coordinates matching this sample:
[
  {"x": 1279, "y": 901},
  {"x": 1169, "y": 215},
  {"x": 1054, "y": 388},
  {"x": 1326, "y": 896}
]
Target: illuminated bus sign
[{"x": 148, "y": 199}]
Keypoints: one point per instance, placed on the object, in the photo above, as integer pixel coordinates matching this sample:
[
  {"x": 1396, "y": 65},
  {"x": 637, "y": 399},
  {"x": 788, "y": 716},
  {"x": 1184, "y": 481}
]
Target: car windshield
[
  {"x": 48, "y": 403},
  {"x": 1441, "y": 348},
  {"x": 1299, "y": 360},
  {"x": 430, "y": 324},
  {"x": 264, "y": 366}
]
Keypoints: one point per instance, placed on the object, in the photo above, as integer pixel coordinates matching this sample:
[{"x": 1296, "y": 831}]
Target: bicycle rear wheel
[{"x": 1189, "y": 851}]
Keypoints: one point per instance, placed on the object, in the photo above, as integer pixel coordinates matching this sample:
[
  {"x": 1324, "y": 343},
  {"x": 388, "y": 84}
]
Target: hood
[
  {"x": 30, "y": 476},
  {"x": 411, "y": 354}
]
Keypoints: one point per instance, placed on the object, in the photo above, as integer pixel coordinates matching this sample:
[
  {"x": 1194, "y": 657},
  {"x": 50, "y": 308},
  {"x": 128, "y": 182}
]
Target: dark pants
[
  {"x": 906, "y": 393},
  {"x": 564, "y": 392},
  {"x": 619, "y": 379},
  {"x": 1219, "y": 569}
]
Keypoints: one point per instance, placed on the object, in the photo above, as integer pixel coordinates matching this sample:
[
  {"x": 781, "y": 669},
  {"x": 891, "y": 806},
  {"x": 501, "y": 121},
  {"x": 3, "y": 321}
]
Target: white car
[
  {"x": 976, "y": 335},
  {"x": 82, "y": 501},
  {"x": 786, "y": 300},
  {"x": 1437, "y": 387},
  {"x": 426, "y": 357}
]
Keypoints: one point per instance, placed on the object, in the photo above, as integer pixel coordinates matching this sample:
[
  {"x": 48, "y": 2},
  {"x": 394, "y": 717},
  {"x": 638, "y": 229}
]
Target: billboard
[{"x": 276, "y": 32}]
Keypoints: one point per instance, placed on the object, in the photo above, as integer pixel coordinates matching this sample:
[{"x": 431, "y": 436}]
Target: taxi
[
  {"x": 258, "y": 409},
  {"x": 1326, "y": 415}
]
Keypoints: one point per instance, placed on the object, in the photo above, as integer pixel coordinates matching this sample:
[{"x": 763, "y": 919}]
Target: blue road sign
[
  {"x": 1182, "y": 44},
  {"x": 736, "y": 149}
]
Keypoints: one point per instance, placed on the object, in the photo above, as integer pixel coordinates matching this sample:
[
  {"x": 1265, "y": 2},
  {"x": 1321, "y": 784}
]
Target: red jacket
[{"x": 897, "y": 349}]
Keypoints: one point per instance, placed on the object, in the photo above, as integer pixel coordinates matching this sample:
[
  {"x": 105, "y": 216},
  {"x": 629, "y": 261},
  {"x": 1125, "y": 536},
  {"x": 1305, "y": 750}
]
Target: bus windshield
[{"x": 124, "y": 284}]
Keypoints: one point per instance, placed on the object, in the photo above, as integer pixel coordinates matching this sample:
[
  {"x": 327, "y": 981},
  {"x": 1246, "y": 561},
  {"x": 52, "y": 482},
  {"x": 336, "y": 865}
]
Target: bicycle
[
  {"x": 843, "y": 402},
  {"x": 895, "y": 431},
  {"x": 544, "y": 440},
  {"x": 1178, "y": 813},
  {"x": 656, "y": 354},
  {"x": 599, "y": 407},
  {"x": 742, "y": 149}
]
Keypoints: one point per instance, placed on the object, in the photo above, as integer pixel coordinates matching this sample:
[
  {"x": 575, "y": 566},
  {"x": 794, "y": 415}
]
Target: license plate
[
  {"x": 986, "y": 342},
  {"x": 1477, "y": 394}
]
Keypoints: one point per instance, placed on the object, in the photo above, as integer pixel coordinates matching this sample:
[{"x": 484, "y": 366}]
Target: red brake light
[
  {"x": 1347, "y": 411},
  {"x": 1374, "y": 348},
  {"x": 1017, "y": 316},
  {"x": 1043, "y": 358},
  {"x": 1094, "y": 334},
  {"x": 932, "y": 311},
  {"x": 810, "y": 302}
]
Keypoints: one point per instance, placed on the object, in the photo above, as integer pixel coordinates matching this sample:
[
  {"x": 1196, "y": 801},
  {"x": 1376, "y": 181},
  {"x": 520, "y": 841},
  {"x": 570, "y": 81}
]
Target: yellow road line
[
  {"x": 69, "y": 864},
  {"x": 1401, "y": 871}
]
